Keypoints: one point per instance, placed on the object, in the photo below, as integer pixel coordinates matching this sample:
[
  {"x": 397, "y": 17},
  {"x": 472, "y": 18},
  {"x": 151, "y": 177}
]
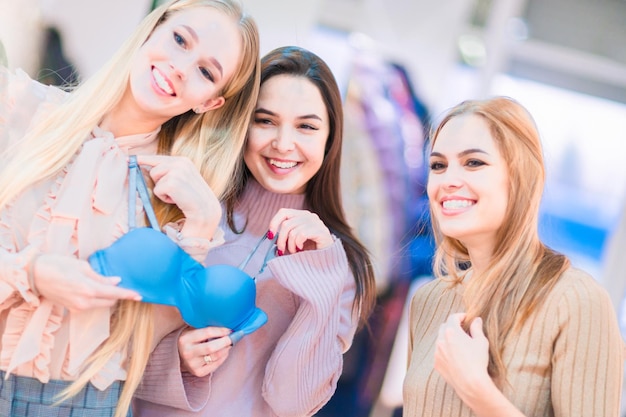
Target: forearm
[
  {"x": 486, "y": 400},
  {"x": 314, "y": 342}
]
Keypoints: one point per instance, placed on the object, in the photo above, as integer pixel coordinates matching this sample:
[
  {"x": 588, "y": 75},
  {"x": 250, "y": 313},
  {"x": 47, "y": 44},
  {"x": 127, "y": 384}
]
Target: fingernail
[
  {"x": 270, "y": 234},
  {"x": 279, "y": 252}
]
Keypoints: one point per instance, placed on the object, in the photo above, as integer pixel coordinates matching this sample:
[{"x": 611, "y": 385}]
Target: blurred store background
[{"x": 400, "y": 64}]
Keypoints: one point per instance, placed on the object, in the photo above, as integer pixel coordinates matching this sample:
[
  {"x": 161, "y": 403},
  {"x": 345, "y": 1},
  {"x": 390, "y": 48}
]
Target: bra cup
[
  {"x": 256, "y": 320},
  {"x": 147, "y": 261},
  {"x": 153, "y": 265},
  {"x": 228, "y": 299}
]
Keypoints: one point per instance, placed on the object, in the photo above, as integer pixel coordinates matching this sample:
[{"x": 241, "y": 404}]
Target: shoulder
[
  {"x": 577, "y": 293},
  {"x": 578, "y": 284}
]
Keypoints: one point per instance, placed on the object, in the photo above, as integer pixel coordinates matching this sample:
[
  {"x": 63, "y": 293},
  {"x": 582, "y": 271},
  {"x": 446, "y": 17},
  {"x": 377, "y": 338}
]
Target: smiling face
[
  {"x": 184, "y": 64},
  {"x": 287, "y": 139},
  {"x": 468, "y": 183}
]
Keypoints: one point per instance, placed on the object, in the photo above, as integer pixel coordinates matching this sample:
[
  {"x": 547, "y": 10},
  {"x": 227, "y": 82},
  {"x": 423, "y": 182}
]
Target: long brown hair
[
  {"x": 522, "y": 269},
  {"x": 323, "y": 192}
]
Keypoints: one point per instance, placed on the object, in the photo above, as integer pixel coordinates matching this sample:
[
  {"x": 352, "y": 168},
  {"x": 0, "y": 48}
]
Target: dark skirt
[{"x": 27, "y": 397}]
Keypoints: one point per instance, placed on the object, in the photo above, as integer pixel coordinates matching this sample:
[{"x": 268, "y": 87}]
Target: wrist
[{"x": 476, "y": 391}]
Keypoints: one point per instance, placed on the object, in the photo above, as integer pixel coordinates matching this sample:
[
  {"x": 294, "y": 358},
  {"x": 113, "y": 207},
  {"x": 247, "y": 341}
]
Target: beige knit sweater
[{"x": 567, "y": 361}]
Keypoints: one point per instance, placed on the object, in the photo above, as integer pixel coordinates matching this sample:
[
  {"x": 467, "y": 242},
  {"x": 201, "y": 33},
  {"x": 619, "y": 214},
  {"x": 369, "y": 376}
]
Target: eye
[
  {"x": 207, "y": 74},
  {"x": 307, "y": 126},
  {"x": 179, "y": 39},
  {"x": 474, "y": 163},
  {"x": 262, "y": 121},
  {"x": 437, "y": 166}
]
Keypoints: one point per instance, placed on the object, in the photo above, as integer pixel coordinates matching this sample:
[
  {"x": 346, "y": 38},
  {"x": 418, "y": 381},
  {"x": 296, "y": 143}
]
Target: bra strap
[{"x": 137, "y": 184}]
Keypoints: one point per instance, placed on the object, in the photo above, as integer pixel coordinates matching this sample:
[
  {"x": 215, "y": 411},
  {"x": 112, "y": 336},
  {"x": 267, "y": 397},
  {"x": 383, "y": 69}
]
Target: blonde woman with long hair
[
  {"x": 508, "y": 327},
  {"x": 179, "y": 94}
]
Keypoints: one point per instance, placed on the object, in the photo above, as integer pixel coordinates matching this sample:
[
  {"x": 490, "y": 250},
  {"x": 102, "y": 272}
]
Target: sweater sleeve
[
  {"x": 321, "y": 331},
  {"x": 164, "y": 383},
  {"x": 588, "y": 359}
]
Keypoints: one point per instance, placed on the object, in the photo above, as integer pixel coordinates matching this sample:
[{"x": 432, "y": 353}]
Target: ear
[{"x": 211, "y": 104}]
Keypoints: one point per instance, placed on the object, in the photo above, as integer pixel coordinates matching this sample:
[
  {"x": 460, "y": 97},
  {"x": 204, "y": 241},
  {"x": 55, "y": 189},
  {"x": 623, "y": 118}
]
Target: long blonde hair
[
  {"x": 522, "y": 269},
  {"x": 212, "y": 140}
]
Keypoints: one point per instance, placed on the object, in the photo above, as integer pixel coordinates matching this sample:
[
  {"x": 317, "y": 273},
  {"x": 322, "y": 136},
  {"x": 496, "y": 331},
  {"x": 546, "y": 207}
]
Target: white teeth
[
  {"x": 456, "y": 204},
  {"x": 163, "y": 85},
  {"x": 283, "y": 165}
]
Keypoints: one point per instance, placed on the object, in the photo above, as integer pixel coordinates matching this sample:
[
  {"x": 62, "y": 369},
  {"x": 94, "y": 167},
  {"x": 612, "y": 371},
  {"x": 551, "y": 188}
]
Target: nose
[
  {"x": 284, "y": 140},
  {"x": 451, "y": 178},
  {"x": 179, "y": 68}
]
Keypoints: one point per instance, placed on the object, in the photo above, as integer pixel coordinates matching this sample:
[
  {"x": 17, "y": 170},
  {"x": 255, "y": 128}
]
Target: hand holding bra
[{"x": 161, "y": 272}]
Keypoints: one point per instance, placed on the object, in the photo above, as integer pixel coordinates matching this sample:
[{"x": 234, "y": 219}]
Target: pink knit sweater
[{"x": 290, "y": 366}]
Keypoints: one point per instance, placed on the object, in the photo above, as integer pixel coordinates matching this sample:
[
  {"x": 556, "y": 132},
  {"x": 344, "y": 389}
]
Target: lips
[
  {"x": 282, "y": 164},
  {"x": 162, "y": 82}
]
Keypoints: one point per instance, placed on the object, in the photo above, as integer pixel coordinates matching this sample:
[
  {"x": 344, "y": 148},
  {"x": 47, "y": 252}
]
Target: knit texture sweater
[
  {"x": 567, "y": 360},
  {"x": 288, "y": 367}
]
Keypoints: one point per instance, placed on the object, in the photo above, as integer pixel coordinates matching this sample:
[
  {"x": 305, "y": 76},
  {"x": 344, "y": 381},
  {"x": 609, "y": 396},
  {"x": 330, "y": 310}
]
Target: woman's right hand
[
  {"x": 72, "y": 283},
  {"x": 204, "y": 350}
]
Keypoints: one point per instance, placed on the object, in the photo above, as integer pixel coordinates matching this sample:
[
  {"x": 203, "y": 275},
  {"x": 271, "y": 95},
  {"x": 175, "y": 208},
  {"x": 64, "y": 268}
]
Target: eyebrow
[
  {"x": 461, "y": 154},
  {"x": 271, "y": 113},
  {"x": 214, "y": 61}
]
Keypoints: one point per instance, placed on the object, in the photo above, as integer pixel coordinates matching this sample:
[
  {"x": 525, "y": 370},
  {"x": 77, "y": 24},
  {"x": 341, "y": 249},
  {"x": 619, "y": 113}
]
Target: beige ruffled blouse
[{"x": 83, "y": 209}]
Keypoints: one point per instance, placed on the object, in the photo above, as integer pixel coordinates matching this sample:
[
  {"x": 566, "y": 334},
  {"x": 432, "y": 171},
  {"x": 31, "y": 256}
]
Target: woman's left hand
[
  {"x": 299, "y": 230},
  {"x": 204, "y": 350},
  {"x": 462, "y": 358},
  {"x": 178, "y": 181}
]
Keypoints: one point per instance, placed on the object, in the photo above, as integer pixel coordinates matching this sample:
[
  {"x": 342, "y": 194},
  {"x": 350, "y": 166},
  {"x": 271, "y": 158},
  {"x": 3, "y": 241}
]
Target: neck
[
  {"x": 125, "y": 119},
  {"x": 480, "y": 256}
]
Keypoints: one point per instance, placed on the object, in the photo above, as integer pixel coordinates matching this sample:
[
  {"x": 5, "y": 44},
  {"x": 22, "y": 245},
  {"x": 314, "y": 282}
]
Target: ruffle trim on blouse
[
  {"x": 29, "y": 336},
  {"x": 28, "y": 339}
]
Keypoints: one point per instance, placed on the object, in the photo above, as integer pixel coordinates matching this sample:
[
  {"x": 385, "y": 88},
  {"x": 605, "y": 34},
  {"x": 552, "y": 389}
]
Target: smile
[
  {"x": 457, "y": 204},
  {"x": 282, "y": 164},
  {"x": 162, "y": 83}
]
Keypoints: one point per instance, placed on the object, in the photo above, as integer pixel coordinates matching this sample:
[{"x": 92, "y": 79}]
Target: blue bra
[{"x": 161, "y": 272}]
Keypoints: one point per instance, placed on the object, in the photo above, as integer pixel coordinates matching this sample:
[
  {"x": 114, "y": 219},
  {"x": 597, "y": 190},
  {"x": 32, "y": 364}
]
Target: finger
[
  {"x": 113, "y": 293},
  {"x": 213, "y": 350},
  {"x": 218, "y": 357},
  {"x": 476, "y": 328},
  {"x": 302, "y": 233},
  {"x": 286, "y": 238},
  {"x": 219, "y": 344},
  {"x": 152, "y": 160},
  {"x": 161, "y": 190},
  {"x": 106, "y": 287},
  {"x": 456, "y": 319},
  {"x": 277, "y": 221},
  {"x": 195, "y": 336}
]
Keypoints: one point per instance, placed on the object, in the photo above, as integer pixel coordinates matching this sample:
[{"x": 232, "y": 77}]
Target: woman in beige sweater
[{"x": 508, "y": 327}]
